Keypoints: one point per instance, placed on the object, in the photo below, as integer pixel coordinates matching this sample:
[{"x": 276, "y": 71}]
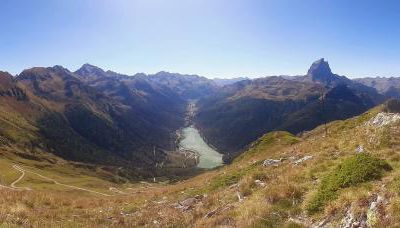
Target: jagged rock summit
[{"x": 321, "y": 72}]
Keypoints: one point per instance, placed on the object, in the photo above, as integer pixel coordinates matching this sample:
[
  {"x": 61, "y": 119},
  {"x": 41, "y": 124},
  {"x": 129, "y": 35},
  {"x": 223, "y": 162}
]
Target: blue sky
[{"x": 214, "y": 38}]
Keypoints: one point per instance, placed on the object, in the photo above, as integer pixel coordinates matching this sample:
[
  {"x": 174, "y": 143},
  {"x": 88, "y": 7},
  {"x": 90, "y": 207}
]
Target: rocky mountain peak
[
  {"x": 59, "y": 68},
  {"x": 320, "y": 71},
  {"x": 88, "y": 69}
]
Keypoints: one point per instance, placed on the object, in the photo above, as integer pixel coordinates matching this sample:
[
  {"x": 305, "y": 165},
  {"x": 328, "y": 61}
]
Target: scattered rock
[
  {"x": 161, "y": 202},
  {"x": 240, "y": 197},
  {"x": 368, "y": 219},
  {"x": 383, "y": 119},
  {"x": 198, "y": 197},
  {"x": 300, "y": 220},
  {"x": 373, "y": 213},
  {"x": 124, "y": 214},
  {"x": 303, "y": 159},
  {"x": 188, "y": 203},
  {"x": 211, "y": 213},
  {"x": 217, "y": 210},
  {"x": 271, "y": 162},
  {"x": 260, "y": 183},
  {"x": 234, "y": 186},
  {"x": 360, "y": 149},
  {"x": 349, "y": 221},
  {"x": 323, "y": 223}
]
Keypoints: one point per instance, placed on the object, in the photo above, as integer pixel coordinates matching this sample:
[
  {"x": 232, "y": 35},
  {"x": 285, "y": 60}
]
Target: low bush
[{"x": 357, "y": 169}]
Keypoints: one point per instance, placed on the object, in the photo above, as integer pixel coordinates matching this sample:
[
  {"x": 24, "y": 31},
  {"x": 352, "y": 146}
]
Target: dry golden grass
[{"x": 280, "y": 203}]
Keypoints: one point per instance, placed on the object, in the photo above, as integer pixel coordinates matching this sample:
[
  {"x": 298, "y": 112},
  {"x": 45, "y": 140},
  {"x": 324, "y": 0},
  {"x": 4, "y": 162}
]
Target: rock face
[
  {"x": 383, "y": 119},
  {"x": 320, "y": 71},
  {"x": 9, "y": 88},
  {"x": 368, "y": 219}
]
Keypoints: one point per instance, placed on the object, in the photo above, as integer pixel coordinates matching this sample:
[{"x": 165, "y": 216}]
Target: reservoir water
[{"x": 192, "y": 140}]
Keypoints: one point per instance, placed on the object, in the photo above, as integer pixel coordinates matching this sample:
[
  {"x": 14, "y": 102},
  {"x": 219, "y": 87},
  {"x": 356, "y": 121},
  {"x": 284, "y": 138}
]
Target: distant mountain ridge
[
  {"x": 228, "y": 81},
  {"x": 389, "y": 87},
  {"x": 103, "y": 117},
  {"x": 96, "y": 116},
  {"x": 241, "y": 112}
]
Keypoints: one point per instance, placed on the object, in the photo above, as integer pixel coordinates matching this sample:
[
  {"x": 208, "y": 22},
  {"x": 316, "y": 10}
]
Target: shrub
[{"x": 357, "y": 169}]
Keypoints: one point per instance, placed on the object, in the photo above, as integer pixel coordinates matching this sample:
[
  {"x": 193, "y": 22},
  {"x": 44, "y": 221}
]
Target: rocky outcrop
[
  {"x": 301, "y": 160},
  {"x": 272, "y": 162},
  {"x": 383, "y": 119},
  {"x": 188, "y": 203},
  {"x": 320, "y": 71},
  {"x": 15, "y": 92},
  {"x": 9, "y": 88}
]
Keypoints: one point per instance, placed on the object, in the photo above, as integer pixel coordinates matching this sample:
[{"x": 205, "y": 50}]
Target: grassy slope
[{"x": 283, "y": 202}]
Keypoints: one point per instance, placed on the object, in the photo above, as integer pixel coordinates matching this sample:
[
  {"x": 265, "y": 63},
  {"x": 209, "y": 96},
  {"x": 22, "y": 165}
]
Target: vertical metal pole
[
  {"x": 324, "y": 114},
  {"x": 154, "y": 157}
]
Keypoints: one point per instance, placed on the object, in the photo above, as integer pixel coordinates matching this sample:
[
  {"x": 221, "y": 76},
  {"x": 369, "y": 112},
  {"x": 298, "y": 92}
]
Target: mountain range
[
  {"x": 93, "y": 116},
  {"x": 295, "y": 104},
  {"x": 95, "y": 148},
  {"x": 106, "y": 118}
]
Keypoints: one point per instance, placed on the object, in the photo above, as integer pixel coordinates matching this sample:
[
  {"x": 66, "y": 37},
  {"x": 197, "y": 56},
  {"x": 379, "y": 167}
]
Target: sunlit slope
[{"x": 281, "y": 180}]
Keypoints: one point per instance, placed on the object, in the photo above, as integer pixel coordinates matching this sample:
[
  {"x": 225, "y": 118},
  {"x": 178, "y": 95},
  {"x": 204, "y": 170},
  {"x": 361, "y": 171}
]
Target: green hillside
[{"x": 345, "y": 172}]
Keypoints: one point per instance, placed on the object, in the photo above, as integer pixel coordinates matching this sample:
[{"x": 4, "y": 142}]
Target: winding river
[{"x": 192, "y": 140}]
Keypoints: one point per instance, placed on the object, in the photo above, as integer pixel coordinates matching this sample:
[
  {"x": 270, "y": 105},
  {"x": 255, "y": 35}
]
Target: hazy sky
[{"x": 214, "y": 38}]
